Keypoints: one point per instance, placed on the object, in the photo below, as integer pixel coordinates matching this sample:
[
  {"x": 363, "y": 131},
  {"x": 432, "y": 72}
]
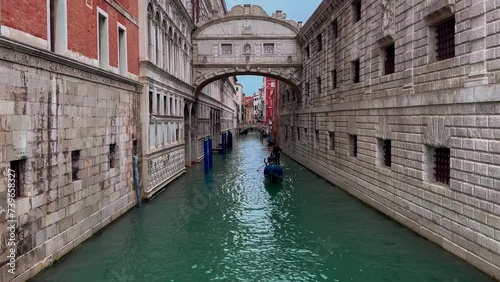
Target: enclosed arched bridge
[{"x": 247, "y": 41}]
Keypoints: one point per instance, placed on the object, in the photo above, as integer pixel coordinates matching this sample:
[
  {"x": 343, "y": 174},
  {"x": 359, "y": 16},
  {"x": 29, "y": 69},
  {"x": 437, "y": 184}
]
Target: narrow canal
[{"x": 232, "y": 226}]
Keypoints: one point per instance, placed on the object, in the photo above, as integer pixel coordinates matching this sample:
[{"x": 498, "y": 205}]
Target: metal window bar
[
  {"x": 390, "y": 56},
  {"x": 334, "y": 79},
  {"x": 445, "y": 39},
  {"x": 387, "y": 153},
  {"x": 442, "y": 165}
]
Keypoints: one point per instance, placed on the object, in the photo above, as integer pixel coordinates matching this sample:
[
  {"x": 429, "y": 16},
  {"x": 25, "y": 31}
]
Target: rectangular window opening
[
  {"x": 308, "y": 51},
  {"x": 135, "y": 148},
  {"x": 17, "y": 174},
  {"x": 319, "y": 39},
  {"x": 122, "y": 51},
  {"x": 334, "y": 79},
  {"x": 356, "y": 10},
  {"x": 112, "y": 155},
  {"x": 316, "y": 138},
  {"x": 75, "y": 164},
  {"x": 353, "y": 145},
  {"x": 165, "y": 105},
  {"x": 442, "y": 165},
  {"x": 335, "y": 29},
  {"x": 445, "y": 39},
  {"x": 150, "y": 102},
  {"x": 103, "y": 40},
  {"x": 268, "y": 48},
  {"x": 384, "y": 152},
  {"x": 226, "y": 49},
  {"x": 58, "y": 27},
  {"x": 390, "y": 59},
  {"x": 318, "y": 81},
  {"x": 331, "y": 140},
  {"x": 355, "y": 71}
]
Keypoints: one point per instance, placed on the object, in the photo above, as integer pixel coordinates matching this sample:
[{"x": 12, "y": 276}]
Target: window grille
[
  {"x": 445, "y": 39},
  {"x": 390, "y": 54},
  {"x": 268, "y": 48},
  {"x": 227, "y": 49},
  {"x": 442, "y": 165}
]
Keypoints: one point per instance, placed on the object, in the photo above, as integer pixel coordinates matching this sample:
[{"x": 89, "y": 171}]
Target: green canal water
[{"x": 232, "y": 226}]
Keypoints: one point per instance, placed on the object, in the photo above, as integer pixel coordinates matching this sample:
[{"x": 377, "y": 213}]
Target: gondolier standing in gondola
[{"x": 276, "y": 153}]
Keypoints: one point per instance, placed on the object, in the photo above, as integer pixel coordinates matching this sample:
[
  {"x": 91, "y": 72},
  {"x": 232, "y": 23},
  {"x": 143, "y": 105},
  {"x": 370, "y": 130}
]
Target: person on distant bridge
[{"x": 276, "y": 153}]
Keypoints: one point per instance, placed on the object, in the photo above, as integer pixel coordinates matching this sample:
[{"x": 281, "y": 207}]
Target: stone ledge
[
  {"x": 93, "y": 74},
  {"x": 438, "y": 11}
]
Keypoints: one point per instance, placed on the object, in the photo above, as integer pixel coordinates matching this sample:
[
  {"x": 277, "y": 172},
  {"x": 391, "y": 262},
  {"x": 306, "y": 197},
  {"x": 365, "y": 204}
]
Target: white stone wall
[
  {"x": 451, "y": 103},
  {"x": 50, "y": 107}
]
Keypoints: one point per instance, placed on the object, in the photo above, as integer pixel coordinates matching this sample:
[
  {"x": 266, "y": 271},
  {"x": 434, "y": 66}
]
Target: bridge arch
[{"x": 247, "y": 41}]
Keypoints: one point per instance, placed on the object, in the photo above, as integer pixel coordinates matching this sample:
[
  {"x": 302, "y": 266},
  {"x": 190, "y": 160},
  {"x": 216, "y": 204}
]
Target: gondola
[{"x": 273, "y": 172}]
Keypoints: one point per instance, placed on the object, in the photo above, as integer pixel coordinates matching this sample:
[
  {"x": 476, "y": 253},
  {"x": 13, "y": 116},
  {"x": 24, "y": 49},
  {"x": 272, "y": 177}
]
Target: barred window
[
  {"x": 227, "y": 49},
  {"x": 387, "y": 153},
  {"x": 17, "y": 177},
  {"x": 353, "y": 144},
  {"x": 268, "y": 48},
  {"x": 331, "y": 140},
  {"x": 318, "y": 81},
  {"x": 355, "y": 71},
  {"x": 335, "y": 29},
  {"x": 390, "y": 58},
  {"x": 319, "y": 38},
  {"x": 356, "y": 10},
  {"x": 445, "y": 39},
  {"x": 334, "y": 79},
  {"x": 442, "y": 165}
]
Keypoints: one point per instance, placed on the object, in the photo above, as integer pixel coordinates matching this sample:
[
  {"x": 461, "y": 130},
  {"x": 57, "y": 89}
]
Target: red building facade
[
  {"x": 269, "y": 91},
  {"x": 90, "y": 31}
]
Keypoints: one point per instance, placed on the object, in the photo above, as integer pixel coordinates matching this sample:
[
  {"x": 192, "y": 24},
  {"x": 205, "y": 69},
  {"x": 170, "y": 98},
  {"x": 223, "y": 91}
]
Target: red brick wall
[
  {"x": 29, "y": 16},
  {"x": 82, "y": 32}
]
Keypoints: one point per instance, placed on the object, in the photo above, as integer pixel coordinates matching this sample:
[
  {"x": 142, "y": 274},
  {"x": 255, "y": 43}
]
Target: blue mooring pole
[
  {"x": 223, "y": 143},
  {"x": 230, "y": 140},
  {"x": 206, "y": 155},
  {"x": 210, "y": 153}
]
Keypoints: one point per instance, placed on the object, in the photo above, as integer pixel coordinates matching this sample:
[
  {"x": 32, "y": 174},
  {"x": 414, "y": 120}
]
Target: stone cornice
[
  {"x": 66, "y": 65},
  {"x": 123, "y": 11},
  {"x": 321, "y": 15}
]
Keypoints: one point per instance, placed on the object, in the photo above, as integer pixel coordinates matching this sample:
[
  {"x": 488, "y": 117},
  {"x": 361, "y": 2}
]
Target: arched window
[
  {"x": 150, "y": 31},
  {"x": 165, "y": 44},
  {"x": 157, "y": 38},
  {"x": 170, "y": 49}
]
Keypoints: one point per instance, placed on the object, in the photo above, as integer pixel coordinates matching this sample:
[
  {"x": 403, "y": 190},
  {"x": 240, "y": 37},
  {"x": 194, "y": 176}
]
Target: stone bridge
[
  {"x": 247, "y": 41},
  {"x": 258, "y": 126}
]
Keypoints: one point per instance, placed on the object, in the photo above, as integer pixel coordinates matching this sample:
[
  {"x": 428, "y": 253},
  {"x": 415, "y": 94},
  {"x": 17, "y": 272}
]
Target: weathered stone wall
[
  {"x": 50, "y": 107},
  {"x": 453, "y": 103}
]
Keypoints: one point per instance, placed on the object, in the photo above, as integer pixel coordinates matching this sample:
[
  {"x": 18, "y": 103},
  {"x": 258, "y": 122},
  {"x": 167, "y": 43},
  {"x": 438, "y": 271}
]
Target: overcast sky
[{"x": 297, "y": 10}]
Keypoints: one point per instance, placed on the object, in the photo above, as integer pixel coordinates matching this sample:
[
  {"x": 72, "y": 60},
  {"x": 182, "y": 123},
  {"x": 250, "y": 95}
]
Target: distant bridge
[{"x": 259, "y": 126}]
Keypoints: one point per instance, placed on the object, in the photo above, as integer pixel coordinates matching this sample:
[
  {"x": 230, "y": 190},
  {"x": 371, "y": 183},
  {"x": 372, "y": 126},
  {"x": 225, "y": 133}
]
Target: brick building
[
  {"x": 69, "y": 112},
  {"x": 400, "y": 107}
]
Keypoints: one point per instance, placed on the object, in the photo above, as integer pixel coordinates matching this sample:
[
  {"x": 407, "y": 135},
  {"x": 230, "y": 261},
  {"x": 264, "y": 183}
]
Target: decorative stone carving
[
  {"x": 247, "y": 28},
  {"x": 247, "y": 49},
  {"x": 387, "y": 14},
  {"x": 205, "y": 60},
  {"x": 247, "y": 59},
  {"x": 289, "y": 59}
]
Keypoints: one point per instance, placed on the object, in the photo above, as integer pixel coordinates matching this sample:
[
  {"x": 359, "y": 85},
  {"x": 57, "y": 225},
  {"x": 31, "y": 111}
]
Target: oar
[{"x": 261, "y": 167}]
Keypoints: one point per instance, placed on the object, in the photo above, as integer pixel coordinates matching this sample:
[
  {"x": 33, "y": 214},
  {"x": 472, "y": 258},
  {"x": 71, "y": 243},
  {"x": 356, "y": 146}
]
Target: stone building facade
[
  {"x": 400, "y": 107},
  {"x": 68, "y": 125},
  {"x": 175, "y": 119}
]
